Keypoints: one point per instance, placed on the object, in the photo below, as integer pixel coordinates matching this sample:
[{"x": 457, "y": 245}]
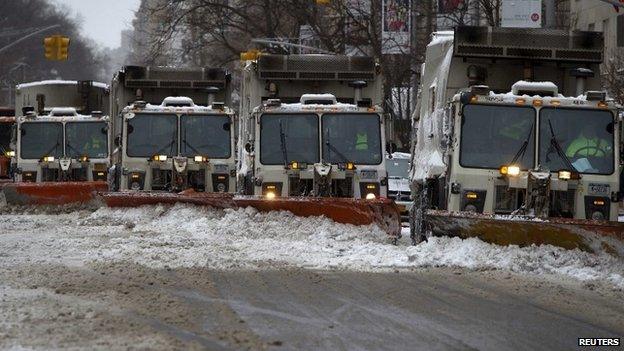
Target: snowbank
[{"x": 187, "y": 236}]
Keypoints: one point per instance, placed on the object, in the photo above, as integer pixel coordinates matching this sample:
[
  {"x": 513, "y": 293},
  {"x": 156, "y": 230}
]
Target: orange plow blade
[
  {"x": 53, "y": 193},
  {"x": 382, "y": 212},
  {"x": 586, "y": 235}
]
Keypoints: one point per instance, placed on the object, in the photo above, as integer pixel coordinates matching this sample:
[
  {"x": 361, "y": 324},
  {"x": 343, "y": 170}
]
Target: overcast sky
[{"x": 103, "y": 20}]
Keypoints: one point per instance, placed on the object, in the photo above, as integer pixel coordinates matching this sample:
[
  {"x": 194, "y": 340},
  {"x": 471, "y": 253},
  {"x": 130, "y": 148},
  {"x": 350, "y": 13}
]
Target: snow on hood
[
  {"x": 189, "y": 236},
  {"x": 399, "y": 184},
  {"x": 401, "y": 155}
]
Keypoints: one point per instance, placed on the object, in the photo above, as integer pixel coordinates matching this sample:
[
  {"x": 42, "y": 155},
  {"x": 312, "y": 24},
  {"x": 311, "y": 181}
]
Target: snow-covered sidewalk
[{"x": 187, "y": 236}]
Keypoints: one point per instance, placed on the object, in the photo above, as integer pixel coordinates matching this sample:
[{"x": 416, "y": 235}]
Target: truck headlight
[
  {"x": 10, "y": 153},
  {"x": 84, "y": 158},
  {"x": 565, "y": 175},
  {"x": 199, "y": 159},
  {"x": 511, "y": 171},
  {"x": 160, "y": 158},
  {"x": 48, "y": 159}
]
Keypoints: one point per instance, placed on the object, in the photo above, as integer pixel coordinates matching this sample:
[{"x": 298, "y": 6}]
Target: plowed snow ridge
[{"x": 187, "y": 236}]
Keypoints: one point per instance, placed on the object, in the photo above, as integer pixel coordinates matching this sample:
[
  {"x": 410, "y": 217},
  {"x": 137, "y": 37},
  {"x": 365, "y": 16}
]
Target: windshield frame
[
  {"x": 181, "y": 129},
  {"x": 613, "y": 143},
  {"x": 534, "y": 135},
  {"x": 176, "y": 142},
  {"x": 353, "y": 115},
  {"x": 21, "y": 139},
  {"x": 67, "y": 148},
  {"x": 317, "y": 154}
]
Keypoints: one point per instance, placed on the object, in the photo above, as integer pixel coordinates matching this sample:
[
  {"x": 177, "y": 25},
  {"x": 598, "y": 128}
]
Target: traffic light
[{"x": 56, "y": 47}]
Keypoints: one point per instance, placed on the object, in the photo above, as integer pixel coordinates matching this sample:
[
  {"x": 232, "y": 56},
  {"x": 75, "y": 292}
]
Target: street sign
[{"x": 521, "y": 13}]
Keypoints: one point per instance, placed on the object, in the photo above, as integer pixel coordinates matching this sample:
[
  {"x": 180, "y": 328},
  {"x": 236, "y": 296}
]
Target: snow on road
[{"x": 187, "y": 236}]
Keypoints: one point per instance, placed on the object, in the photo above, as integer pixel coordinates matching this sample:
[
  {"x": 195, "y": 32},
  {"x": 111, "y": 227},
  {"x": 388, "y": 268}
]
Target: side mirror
[
  {"x": 130, "y": 129},
  {"x": 104, "y": 130},
  {"x": 117, "y": 141},
  {"x": 248, "y": 147}
]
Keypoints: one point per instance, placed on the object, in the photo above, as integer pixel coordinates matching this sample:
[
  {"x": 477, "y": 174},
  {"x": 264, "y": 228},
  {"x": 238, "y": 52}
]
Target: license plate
[
  {"x": 368, "y": 175},
  {"x": 599, "y": 189}
]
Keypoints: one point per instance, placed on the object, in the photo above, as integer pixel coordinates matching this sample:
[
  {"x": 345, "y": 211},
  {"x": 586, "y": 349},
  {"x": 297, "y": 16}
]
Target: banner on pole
[
  {"x": 521, "y": 13},
  {"x": 395, "y": 35}
]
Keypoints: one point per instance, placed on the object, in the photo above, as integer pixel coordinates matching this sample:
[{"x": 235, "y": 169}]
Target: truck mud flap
[
  {"x": 586, "y": 235},
  {"x": 53, "y": 193},
  {"x": 382, "y": 212}
]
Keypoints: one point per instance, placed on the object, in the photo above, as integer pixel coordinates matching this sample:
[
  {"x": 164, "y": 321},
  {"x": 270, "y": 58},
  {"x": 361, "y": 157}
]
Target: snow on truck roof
[
  {"x": 58, "y": 82},
  {"x": 183, "y": 104}
]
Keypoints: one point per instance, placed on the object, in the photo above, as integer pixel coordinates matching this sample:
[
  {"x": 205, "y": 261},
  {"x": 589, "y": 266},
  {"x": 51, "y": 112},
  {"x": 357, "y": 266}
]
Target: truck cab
[
  {"x": 173, "y": 130},
  {"x": 62, "y": 131},
  {"x": 535, "y": 139},
  {"x": 178, "y": 145},
  {"x": 512, "y": 122},
  {"x": 312, "y": 125}
]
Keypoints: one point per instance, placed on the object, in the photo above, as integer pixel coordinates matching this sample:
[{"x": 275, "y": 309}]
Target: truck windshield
[
  {"x": 585, "y": 136},
  {"x": 39, "y": 139},
  {"x": 288, "y": 137},
  {"x": 5, "y": 137},
  {"x": 206, "y": 135},
  {"x": 152, "y": 134},
  {"x": 491, "y": 136},
  {"x": 86, "y": 139},
  {"x": 352, "y": 137}
]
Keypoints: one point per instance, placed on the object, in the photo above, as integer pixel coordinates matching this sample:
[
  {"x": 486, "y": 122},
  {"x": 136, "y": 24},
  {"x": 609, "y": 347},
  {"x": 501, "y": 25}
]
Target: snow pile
[{"x": 187, "y": 236}]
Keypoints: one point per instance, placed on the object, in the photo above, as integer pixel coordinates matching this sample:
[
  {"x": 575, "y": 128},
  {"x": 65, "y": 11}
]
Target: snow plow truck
[
  {"x": 312, "y": 138},
  {"x": 173, "y": 130},
  {"x": 515, "y": 143},
  {"x": 60, "y": 144},
  {"x": 279, "y": 120}
]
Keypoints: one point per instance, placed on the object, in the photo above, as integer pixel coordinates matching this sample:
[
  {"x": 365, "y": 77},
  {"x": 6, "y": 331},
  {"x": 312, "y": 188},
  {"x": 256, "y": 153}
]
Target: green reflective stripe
[{"x": 361, "y": 142}]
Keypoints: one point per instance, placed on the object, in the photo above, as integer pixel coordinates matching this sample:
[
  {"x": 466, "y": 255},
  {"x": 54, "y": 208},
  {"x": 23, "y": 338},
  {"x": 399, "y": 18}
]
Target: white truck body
[
  {"x": 476, "y": 112},
  {"x": 299, "y": 120}
]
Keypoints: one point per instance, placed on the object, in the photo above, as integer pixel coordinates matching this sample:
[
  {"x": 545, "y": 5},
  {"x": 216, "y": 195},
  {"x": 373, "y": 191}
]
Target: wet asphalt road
[
  {"x": 430, "y": 310},
  {"x": 126, "y": 306}
]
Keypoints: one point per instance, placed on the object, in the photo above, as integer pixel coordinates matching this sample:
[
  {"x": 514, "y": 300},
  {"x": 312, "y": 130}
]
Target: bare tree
[
  {"x": 613, "y": 77},
  {"x": 26, "y": 61}
]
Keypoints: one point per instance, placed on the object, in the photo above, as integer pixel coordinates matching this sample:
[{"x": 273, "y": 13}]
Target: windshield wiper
[
  {"x": 555, "y": 144},
  {"x": 523, "y": 148},
  {"x": 332, "y": 148},
  {"x": 186, "y": 143},
  {"x": 169, "y": 145},
  {"x": 283, "y": 144},
  {"x": 73, "y": 148},
  {"x": 58, "y": 143}
]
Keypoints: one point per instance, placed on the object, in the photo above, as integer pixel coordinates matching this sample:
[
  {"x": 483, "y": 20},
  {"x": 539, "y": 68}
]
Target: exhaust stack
[
  {"x": 212, "y": 93},
  {"x": 581, "y": 75},
  {"x": 357, "y": 86}
]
